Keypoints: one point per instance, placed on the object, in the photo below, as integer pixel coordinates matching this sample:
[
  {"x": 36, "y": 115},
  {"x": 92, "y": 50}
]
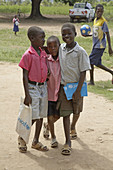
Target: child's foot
[
  {"x": 73, "y": 134},
  {"x": 45, "y": 131},
  {"x": 54, "y": 143},
  {"x": 91, "y": 83},
  {"x": 39, "y": 146},
  {"x": 66, "y": 150},
  {"x": 22, "y": 145}
]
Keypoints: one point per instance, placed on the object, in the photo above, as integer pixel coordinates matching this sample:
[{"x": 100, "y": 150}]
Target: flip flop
[
  {"x": 73, "y": 134},
  {"x": 66, "y": 150},
  {"x": 54, "y": 143},
  {"x": 39, "y": 146},
  {"x": 45, "y": 131},
  {"x": 22, "y": 145}
]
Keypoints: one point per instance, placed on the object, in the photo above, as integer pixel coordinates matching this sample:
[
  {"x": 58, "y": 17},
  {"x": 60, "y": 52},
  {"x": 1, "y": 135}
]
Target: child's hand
[
  {"x": 110, "y": 51},
  {"x": 76, "y": 95},
  {"x": 27, "y": 100},
  {"x": 89, "y": 35}
]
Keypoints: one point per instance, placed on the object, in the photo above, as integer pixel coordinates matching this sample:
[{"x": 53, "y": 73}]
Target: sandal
[
  {"x": 22, "y": 145},
  {"x": 45, "y": 131},
  {"x": 39, "y": 146},
  {"x": 73, "y": 134},
  {"x": 54, "y": 143},
  {"x": 66, "y": 150}
]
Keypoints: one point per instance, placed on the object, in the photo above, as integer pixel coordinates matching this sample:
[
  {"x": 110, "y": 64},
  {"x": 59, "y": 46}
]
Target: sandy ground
[{"x": 92, "y": 150}]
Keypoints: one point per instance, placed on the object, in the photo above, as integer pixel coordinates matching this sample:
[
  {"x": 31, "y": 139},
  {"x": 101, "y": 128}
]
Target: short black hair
[
  {"x": 100, "y": 6},
  {"x": 33, "y": 31},
  {"x": 53, "y": 38},
  {"x": 70, "y": 26}
]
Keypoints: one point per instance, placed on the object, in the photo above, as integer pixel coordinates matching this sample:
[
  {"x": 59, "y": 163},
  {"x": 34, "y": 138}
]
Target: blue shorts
[{"x": 95, "y": 56}]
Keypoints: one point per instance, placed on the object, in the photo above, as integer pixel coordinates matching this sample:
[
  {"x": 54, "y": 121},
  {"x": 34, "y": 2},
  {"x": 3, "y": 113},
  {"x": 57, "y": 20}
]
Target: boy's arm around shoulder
[{"x": 27, "y": 100}]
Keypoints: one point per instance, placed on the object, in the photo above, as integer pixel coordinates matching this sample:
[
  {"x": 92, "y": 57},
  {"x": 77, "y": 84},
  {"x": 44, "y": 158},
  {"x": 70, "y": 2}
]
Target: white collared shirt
[{"x": 72, "y": 63}]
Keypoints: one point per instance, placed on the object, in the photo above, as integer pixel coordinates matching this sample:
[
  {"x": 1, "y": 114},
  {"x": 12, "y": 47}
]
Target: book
[{"x": 70, "y": 88}]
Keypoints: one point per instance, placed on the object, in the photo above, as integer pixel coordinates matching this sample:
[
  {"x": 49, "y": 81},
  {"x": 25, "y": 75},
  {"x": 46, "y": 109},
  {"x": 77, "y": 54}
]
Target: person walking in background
[
  {"x": 100, "y": 31},
  {"x": 16, "y": 23}
]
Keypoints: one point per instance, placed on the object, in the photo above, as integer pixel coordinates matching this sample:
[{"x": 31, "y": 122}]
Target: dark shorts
[
  {"x": 68, "y": 106},
  {"x": 95, "y": 56},
  {"x": 52, "y": 110}
]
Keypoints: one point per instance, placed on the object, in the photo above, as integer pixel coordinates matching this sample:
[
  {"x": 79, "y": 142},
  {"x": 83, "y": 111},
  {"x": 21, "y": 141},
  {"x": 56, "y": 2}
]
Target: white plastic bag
[
  {"x": 24, "y": 121},
  {"x": 16, "y": 23}
]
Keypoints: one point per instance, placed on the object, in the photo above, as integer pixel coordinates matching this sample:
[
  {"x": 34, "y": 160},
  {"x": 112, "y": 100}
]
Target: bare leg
[
  {"x": 36, "y": 144},
  {"x": 37, "y": 131},
  {"x": 66, "y": 122},
  {"x": 105, "y": 68},
  {"x": 51, "y": 126},
  {"x": 74, "y": 121},
  {"x": 91, "y": 75}
]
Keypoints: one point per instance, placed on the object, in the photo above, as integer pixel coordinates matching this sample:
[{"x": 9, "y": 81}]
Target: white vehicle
[{"x": 82, "y": 11}]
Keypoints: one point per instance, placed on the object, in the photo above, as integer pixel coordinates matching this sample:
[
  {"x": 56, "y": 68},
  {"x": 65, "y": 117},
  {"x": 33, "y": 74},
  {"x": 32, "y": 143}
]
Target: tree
[{"x": 35, "y": 10}]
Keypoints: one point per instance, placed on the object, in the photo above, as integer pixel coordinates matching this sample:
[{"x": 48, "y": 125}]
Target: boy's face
[
  {"x": 39, "y": 39},
  {"x": 99, "y": 12},
  {"x": 68, "y": 35},
  {"x": 53, "y": 47}
]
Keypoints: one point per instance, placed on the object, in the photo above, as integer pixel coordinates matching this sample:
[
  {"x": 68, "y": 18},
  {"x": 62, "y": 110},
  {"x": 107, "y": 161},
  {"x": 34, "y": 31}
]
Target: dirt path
[{"x": 93, "y": 150}]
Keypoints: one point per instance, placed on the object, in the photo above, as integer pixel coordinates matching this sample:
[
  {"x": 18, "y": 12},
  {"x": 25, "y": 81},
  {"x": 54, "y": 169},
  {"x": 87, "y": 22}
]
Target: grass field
[{"x": 12, "y": 47}]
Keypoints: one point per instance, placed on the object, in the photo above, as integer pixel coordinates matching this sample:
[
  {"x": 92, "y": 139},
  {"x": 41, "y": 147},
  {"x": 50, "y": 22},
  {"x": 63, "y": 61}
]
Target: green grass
[
  {"x": 103, "y": 88},
  {"x": 12, "y": 47},
  {"x": 55, "y": 10},
  {"x": 14, "y": 8}
]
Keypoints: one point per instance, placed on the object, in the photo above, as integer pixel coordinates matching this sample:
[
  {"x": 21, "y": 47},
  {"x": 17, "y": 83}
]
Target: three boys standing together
[{"x": 67, "y": 63}]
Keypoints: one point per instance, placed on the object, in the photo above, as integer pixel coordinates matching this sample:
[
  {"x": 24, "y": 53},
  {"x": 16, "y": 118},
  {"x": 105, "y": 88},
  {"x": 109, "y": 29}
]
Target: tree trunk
[{"x": 35, "y": 11}]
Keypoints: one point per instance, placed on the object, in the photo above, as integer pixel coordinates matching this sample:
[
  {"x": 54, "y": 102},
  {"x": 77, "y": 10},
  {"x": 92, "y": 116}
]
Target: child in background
[
  {"x": 74, "y": 63},
  {"x": 53, "y": 83},
  {"x": 34, "y": 67},
  {"x": 100, "y": 31},
  {"x": 16, "y": 23}
]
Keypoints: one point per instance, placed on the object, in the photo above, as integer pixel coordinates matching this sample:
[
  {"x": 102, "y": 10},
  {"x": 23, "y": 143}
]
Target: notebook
[{"x": 70, "y": 88}]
